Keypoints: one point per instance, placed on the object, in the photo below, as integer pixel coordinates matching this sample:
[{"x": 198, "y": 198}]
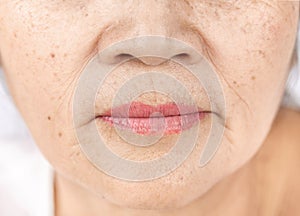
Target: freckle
[
  {"x": 60, "y": 134},
  {"x": 86, "y": 14},
  {"x": 65, "y": 55},
  {"x": 52, "y": 55},
  {"x": 234, "y": 82},
  {"x": 253, "y": 77},
  {"x": 15, "y": 35},
  {"x": 261, "y": 53},
  {"x": 49, "y": 118}
]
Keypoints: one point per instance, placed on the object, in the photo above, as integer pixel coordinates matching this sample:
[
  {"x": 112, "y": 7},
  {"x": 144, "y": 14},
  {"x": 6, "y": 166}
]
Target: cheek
[
  {"x": 251, "y": 55},
  {"x": 41, "y": 72}
]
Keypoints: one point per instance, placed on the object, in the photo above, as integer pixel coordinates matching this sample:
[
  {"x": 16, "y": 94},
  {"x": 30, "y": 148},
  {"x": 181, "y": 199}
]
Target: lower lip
[{"x": 146, "y": 125}]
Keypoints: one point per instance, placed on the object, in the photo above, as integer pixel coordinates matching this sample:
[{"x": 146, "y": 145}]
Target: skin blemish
[
  {"x": 49, "y": 118},
  {"x": 253, "y": 77},
  {"x": 261, "y": 53},
  {"x": 235, "y": 83},
  {"x": 60, "y": 134},
  {"x": 52, "y": 55}
]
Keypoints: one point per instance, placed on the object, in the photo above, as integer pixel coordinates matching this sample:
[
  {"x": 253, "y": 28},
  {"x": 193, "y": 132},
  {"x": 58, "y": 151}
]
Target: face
[{"x": 45, "y": 45}]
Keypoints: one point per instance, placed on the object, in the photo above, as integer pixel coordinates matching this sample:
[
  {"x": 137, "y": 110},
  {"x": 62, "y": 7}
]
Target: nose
[
  {"x": 147, "y": 34},
  {"x": 151, "y": 50}
]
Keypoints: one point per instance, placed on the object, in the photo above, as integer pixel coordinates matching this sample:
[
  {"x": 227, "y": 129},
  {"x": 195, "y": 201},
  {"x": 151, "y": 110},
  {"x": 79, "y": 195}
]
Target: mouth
[{"x": 144, "y": 119}]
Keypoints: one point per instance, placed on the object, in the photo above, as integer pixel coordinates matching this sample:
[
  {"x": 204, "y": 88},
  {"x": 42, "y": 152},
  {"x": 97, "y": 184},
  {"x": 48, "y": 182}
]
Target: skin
[{"x": 250, "y": 46}]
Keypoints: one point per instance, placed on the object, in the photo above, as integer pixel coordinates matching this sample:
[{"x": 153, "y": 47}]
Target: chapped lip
[{"x": 168, "y": 118}]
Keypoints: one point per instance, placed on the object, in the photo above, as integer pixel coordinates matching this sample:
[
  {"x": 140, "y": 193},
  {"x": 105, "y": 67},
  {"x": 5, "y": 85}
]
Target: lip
[{"x": 169, "y": 118}]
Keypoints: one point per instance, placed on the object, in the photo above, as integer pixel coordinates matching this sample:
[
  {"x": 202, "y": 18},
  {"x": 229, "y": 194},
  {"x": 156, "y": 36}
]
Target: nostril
[
  {"x": 152, "y": 51},
  {"x": 182, "y": 57},
  {"x": 123, "y": 56}
]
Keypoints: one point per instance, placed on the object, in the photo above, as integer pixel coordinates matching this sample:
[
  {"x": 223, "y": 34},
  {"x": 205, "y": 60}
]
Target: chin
[
  {"x": 170, "y": 192},
  {"x": 152, "y": 198}
]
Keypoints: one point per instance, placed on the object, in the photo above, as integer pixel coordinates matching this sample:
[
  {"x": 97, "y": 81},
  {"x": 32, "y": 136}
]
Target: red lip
[{"x": 146, "y": 119}]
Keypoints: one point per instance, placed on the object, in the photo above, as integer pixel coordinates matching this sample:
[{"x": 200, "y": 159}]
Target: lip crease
[{"x": 168, "y": 118}]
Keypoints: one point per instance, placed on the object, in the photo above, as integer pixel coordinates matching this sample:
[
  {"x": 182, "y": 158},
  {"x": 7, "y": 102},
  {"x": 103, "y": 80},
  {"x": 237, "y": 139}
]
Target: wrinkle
[{"x": 228, "y": 84}]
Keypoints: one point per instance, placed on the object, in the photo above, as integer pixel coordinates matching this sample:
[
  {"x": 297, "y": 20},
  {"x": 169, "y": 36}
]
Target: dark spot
[
  {"x": 253, "y": 77},
  {"x": 49, "y": 118},
  {"x": 60, "y": 134},
  {"x": 261, "y": 53},
  {"x": 189, "y": 4},
  {"x": 52, "y": 55},
  {"x": 86, "y": 14},
  {"x": 235, "y": 83},
  {"x": 15, "y": 35}
]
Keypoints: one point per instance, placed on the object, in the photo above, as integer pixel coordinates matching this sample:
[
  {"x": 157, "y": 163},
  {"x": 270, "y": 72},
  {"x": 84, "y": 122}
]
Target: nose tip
[{"x": 150, "y": 50}]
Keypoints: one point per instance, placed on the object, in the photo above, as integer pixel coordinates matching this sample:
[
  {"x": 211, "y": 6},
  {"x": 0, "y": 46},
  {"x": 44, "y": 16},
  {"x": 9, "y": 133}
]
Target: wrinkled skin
[{"x": 45, "y": 44}]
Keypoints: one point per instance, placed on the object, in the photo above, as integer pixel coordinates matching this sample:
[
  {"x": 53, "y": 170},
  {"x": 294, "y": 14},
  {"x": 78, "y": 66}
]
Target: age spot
[
  {"x": 60, "y": 134},
  {"x": 235, "y": 83},
  {"x": 49, "y": 118},
  {"x": 52, "y": 55}
]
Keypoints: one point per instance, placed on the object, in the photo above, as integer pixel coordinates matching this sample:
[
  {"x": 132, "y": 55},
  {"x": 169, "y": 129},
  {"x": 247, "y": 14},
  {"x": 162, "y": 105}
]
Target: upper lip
[{"x": 141, "y": 110}]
